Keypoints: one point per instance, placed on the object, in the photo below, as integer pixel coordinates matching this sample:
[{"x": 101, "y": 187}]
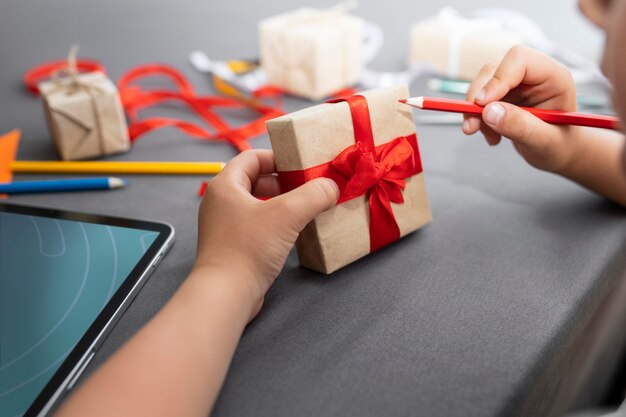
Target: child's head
[{"x": 610, "y": 15}]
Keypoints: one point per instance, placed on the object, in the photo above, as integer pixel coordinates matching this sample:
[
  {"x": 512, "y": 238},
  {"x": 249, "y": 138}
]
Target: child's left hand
[{"x": 246, "y": 240}]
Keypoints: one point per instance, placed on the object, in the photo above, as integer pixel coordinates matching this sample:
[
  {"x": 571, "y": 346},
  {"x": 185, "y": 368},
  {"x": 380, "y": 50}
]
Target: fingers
[
  {"x": 246, "y": 167},
  {"x": 596, "y": 11},
  {"x": 522, "y": 127},
  {"x": 524, "y": 77},
  {"x": 523, "y": 66},
  {"x": 266, "y": 186},
  {"x": 302, "y": 204},
  {"x": 491, "y": 137},
  {"x": 471, "y": 124}
]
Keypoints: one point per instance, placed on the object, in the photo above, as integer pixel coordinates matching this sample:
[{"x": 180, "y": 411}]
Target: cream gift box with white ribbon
[
  {"x": 458, "y": 47},
  {"x": 85, "y": 116},
  {"x": 312, "y": 53}
]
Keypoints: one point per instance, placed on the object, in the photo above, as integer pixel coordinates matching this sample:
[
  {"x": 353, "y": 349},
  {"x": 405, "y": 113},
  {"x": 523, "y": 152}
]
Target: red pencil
[{"x": 550, "y": 116}]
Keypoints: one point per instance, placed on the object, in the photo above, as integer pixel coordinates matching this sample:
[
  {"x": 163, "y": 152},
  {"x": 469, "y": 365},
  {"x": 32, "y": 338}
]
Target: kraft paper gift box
[
  {"x": 85, "y": 116},
  {"x": 331, "y": 140},
  {"x": 458, "y": 47},
  {"x": 312, "y": 53}
]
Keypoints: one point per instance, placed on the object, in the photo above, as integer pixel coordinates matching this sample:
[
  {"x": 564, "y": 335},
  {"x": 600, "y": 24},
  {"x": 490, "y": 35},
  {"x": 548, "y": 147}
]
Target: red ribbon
[
  {"x": 364, "y": 168},
  {"x": 135, "y": 99}
]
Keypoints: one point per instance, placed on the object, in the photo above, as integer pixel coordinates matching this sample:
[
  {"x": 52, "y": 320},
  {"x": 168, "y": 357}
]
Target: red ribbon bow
[
  {"x": 363, "y": 168},
  {"x": 383, "y": 175}
]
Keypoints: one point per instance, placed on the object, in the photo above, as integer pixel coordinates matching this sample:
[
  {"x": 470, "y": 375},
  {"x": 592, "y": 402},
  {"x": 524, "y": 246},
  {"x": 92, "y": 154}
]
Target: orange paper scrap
[{"x": 8, "y": 151}]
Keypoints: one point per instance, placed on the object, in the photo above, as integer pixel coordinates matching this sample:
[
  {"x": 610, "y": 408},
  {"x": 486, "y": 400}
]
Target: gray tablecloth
[{"x": 508, "y": 304}]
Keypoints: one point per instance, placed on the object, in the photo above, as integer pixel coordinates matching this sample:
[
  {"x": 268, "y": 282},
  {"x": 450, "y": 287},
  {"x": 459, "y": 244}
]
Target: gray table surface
[{"x": 506, "y": 304}]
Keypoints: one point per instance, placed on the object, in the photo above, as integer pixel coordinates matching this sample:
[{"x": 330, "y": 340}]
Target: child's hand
[
  {"x": 525, "y": 77},
  {"x": 245, "y": 240}
]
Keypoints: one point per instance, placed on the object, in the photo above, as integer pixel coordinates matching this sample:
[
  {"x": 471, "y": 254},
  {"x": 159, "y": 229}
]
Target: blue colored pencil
[{"x": 72, "y": 184}]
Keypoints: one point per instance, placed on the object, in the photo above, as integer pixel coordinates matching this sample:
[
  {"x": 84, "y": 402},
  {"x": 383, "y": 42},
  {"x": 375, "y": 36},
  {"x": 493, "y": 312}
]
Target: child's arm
[
  {"x": 176, "y": 364},
  {"x": 591, "y": 157}
]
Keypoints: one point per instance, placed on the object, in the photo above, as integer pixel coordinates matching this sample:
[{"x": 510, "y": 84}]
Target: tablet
[{"x": 65, "y": 280}]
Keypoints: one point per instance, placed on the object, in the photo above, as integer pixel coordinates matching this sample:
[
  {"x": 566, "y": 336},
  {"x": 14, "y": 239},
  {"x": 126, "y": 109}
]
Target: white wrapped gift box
[
  {"x": 458, "y": 47},
  {"x": 312, "y": 53}
]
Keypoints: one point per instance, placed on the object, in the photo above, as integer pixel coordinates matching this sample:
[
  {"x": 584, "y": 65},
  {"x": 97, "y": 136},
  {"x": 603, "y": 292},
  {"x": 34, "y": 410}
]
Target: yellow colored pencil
[{"x": 116, "y": 167}]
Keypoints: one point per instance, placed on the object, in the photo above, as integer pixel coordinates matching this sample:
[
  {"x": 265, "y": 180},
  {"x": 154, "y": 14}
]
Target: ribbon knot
[{"x": 365, "y": 170}]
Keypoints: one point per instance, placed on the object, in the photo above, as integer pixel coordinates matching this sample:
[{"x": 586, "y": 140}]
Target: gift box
[
  {"x": 458, "y": 47},
  {"x": 312, "y": 53},
  {"x": 85, "y": 116},
  {"x": 368, "y": 145}
]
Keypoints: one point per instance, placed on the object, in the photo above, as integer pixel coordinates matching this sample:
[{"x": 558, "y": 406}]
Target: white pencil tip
[
  {"x": 117, "y": 182},
  {"x": 415, "y": 101}
]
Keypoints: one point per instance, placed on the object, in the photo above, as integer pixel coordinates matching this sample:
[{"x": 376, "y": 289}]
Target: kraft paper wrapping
[
  {"x": 85, "y": 116},
  {"x": 317, "y": 135},
  {"x": 459, "y": 51},
  {"x": 312, "y": 53}
]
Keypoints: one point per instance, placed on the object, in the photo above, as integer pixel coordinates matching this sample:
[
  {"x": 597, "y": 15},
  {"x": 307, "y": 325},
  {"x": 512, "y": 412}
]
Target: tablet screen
[{"x": 56, "y": 276}]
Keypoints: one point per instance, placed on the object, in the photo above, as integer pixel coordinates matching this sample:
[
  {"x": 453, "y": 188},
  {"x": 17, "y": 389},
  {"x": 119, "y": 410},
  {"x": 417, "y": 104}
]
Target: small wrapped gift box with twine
[
  {"x": 312, "y": 53},
  {"x": 84, "y": 114},
  {"x": 368, "y": 145},
  {"x": 458, "y": 47}
]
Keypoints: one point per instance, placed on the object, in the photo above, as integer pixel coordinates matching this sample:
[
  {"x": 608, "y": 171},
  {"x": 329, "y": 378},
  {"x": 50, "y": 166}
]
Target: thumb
[
  {"x": 302, "y": 204},
  {"x": 517, "y": 124}
]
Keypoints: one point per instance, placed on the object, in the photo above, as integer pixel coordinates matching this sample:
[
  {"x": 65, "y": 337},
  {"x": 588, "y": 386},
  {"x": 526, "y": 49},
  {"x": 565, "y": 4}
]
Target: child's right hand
[{"x": 529, "y": 78}]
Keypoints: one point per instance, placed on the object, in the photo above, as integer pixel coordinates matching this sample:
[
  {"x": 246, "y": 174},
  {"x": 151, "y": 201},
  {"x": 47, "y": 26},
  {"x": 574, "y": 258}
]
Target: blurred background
[
  {"x": 32, "y": 32},
  {"x": 211, "y": 23}
]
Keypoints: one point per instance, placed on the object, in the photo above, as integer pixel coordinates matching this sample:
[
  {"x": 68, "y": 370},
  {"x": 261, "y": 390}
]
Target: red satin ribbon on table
[
  {"x": 380, "y": 171},
  {"x": 135, "y": 99}
]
